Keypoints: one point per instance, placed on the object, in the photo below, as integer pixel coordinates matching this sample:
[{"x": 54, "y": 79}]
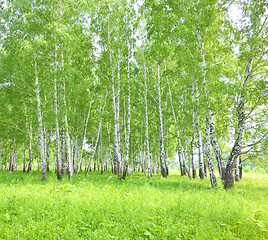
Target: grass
[{"x": 94, "y": 207}]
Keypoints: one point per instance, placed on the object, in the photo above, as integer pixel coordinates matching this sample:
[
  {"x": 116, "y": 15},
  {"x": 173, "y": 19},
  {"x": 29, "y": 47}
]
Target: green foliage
[
  {"x": 259, "y": 170},
  {"x": 85, "y": 47},
  {"x": 100, "y": 207},
  {"x": 247, "y": 169}
]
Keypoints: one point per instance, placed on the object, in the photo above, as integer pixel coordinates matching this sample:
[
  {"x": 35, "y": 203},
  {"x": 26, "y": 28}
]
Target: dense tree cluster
[{"x": 127, "y": 85}]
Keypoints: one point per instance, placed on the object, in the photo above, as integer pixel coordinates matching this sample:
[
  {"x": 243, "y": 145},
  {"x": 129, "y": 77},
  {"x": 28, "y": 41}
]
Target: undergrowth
[{"x": 103, "y": 207}]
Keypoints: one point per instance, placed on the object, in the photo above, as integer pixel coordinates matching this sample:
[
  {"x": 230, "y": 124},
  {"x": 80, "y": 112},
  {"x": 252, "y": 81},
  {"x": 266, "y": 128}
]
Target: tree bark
[
  {"x": 40, "y": 123},
  {"x": 208, "y": 154},
  {"x": 238, "y": 168},
  {"x": 208, "y": 116},
  {"x": 98, "y": 135},
  {"x": 84, "y": 138},
  {"x": 146, "y": 120},
  {"x": 236, "y": 150},
  {"x": 30, "y": 149},
  {"x": 68, "y": 141},
  {"x": 163, "y": 166},
  {"x": 193, "y": 136},
  {"x": 94, "y": 148},
  {"x": 128, "y": 118},
  {"x": 181, "y": 160},
  {"x": 62, "y": 151},
  {"x": 48, "y": 150},
  {"x": 119, "y": 159},
  {"x": 101, "y": 156},
  {"x": 24, "y": 162},
  {"x": 57, "y": 148},
  {"x": 217, "y": 150}
]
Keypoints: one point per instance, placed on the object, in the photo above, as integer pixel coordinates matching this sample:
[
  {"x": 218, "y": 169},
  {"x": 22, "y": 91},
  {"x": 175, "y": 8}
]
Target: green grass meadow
[{"x": 100, "y": 207}]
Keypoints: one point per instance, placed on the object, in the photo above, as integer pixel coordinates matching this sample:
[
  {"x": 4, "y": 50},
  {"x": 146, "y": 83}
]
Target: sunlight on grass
[{"x": 137, "y": 208}]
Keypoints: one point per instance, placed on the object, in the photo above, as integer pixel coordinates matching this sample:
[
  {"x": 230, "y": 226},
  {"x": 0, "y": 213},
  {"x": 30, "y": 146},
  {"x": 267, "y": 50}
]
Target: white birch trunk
[
  {"x": 238, "y": 169},
  {"x": 94, "y": 148},
  {"x": 193, "y": 136},
  {"x": 62, "y": 151},
  {"x": 208, "y": 154},
  {"x": 68, "y": 140},
  {"x": 30, "y": 149},
  {"x": 146, "y": 121},
  {"x": 217, "y": 150},
  {"x": 178, "y": 133},
  {"x": 25, "y": 146},
  {"x": 84, "y": 136},
  {"x": 163, "y": 166},
  {"x": 116, "y": 157},
  {"x": 181, "y": 161},
  {"x": 57, "y": 150},
  {"x": 40, "y": 123},
  {"x": 97, "y": 139},
  {"x": 200, "y": 150},
  {"x": 236, "y": 150},
  {"x": 109, "y": 144},
  {"x": 24, "y": 157},
  {"x": 119, "y": 163},
  {"x": 66, "y": 127},
  {"x": 101, "y": 156},
  {"x": 208, "y": 115},
  {"x": 186, "y": 169},
  {"x": 48, "y": 150},
  {"x": 128, "y": 118}
]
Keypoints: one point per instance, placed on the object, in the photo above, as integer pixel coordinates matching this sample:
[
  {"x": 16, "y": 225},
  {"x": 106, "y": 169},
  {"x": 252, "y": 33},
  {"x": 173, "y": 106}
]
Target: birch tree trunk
[
  {"x": 48, "y": 149},
  {"x": 185, "y": 167},
  {"x": 66, "y": 127},
  {"x": 117, "y": 156},
  {"x": 24, "y": 154},
  {"x": 62, "y": 151},
  {"x": 217, "y": 150},
  {"x": 25, "y": 144},
  {"x": 38, "y": 160},
  {"x": 238, "y": 169},
  {"x": 128, "y": 117},
  {"x": 45, "y": 144},
  {"x": 236, "y": 150},
  {"x": 84, "y": 138},
  {"x": 109, "y": 144},
  {"x": 94, "y": 148},
  {"x": 40, "y": 123},
  {"x": 181, "y": 160},
  {"x": 208, "y": 114},
  {"x": 193, "y": 136},
  {"x": 208, "y": 154},
  {"x": 57, "y": 149},
  {"x": 146, "y": 121},
  {"x": 98, "y": 135},
  {"x": 119, "y": 164},
  {"x": 200, "y": 151},
  {"x": 178, "y": 134},
  {"x": 30, "y": 149},
  {"x": 12, "y": 156},
  {"x": 163, "y": 166},
  {"x": 68, "y": 143},
  {"x": 72, "y": 152},
  {"x": 101, "y": 156}
]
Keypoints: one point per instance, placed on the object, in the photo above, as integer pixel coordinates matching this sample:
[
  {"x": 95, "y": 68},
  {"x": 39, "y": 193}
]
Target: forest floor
[{"x": 100, "y": 207}]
